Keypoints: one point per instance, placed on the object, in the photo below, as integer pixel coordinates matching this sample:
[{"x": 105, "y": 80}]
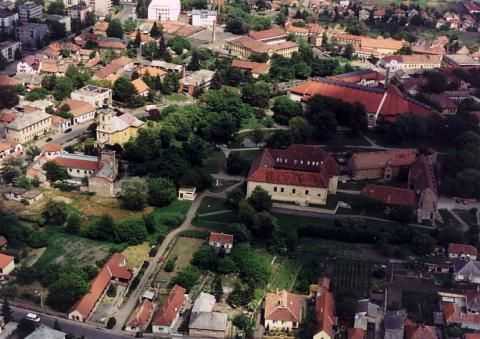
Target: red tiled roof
[
  {"x": 7, "y": 117},
  {"x": 5, "y": 260},
  {"x": 254, "y": 67},
  {"x": 221, "y": 238},
  {"x": 389, "y": 103},
  {"x": 299, "y": 165},
  {"x": 52, "y": 148},
  {"x": 284, "y": 306},
  {"x": 472, "y": 336},
  {"x": 414, "y": 331},
  {"x": 113, "y": 67},
  {"x": 78, "y": 107},
  {"x": 455, "y": 248},
  {"x": 325, "y": 312},
  {"x": 381, "y": 159},
  {"x": 169, "y": 310},
  {"x": 76, "y": 163},
  {"x": 267, "y": 34},
  {"x": 5, "y": 146},
  {"x": 355, "y": 333},
  {"x": 111, "y": 43},
  {"x": 114, "y": 268},
  {"x": 391, "y": 195},
  {"x": 357, "y": 76},
  {"x": 142, "y": 315},
  {"x": 5, "y": 80}
]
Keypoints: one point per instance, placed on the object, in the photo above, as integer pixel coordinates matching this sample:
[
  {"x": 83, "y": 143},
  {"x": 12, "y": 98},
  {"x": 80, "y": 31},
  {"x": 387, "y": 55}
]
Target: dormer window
[
  {"x": 294, "y": 162},
  {"x": 301, "y": 162},
  {"x": 308, "y": 163}
]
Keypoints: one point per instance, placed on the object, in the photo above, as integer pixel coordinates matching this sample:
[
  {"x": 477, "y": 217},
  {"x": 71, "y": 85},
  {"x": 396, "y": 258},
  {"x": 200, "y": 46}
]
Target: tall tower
[{"x": 104, "y": 126}]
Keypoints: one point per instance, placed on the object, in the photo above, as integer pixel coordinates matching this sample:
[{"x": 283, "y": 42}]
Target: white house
[
  {"x": 187, "y": 193},
  {"x": 94, "y": 95},
  {"x": 82, "y": 111},
  {"x": 164, "y": 10},
  {"x": 29, "y": 65},
  {"x": 204, "y": 17}
]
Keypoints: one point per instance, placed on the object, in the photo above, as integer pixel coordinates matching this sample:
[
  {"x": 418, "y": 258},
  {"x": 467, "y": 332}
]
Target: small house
[
  {"x": 187, "y": 193},
  {"x": 221, "y": 242},
  {"x": 462, "y": 251},
  {"x": 7, "y": 264}
]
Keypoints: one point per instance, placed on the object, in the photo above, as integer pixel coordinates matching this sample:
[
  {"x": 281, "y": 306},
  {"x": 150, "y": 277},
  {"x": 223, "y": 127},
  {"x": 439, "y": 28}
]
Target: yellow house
[{"x": 112, "y": 130}]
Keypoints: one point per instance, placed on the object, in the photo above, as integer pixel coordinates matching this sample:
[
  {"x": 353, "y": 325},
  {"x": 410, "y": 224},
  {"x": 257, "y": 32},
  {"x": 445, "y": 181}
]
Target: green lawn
[
  {"x": 175, "y": 97},
  {"x": 284, "y": 274},
  {"x": 218, "y": 222},
  {"x": 63, "y": 247},
  {"x": 171, "y": 216},
  {"x": 211, "y": 204}
]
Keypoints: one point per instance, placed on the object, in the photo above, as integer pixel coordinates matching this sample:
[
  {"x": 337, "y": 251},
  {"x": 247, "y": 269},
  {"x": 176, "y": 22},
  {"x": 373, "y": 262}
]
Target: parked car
[{"x": 33, "y": 317}]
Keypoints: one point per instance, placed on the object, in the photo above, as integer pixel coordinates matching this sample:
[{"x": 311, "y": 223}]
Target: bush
[
  {"x": 111, "y": 322},
  {"x": 187, "y": 278},
  {"x": 37, "y": 239},
  {"x": 195, "y": 234},
  {"x": 170, "y": 265},
  {"x": 173, "y": 220}
]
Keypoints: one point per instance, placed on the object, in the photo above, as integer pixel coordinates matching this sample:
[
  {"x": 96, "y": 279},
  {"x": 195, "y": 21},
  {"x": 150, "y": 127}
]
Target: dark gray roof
[{"x": 394, "y": 320}]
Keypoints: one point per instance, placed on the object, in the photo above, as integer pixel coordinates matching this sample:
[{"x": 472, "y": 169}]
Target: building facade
[
  {"x": 164, "y": 10},
  {"x": 204, "y": 18},
  {"x": 32, "y": 35},
  {"x": 98, "y": 97},
  {"x": 29, "y": 10},
  {"x": 116, "y": 130},
  {"x": 9, "y": 49},
  {"x": 28, "y": 126}
]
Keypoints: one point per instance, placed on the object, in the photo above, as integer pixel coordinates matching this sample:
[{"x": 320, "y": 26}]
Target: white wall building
[
  {"x": 203, "y": 17},
  {"x": 8, "y": 49},
  {"x": 164, "y": 10},
  {"x": 101, "y": 7},
  {"x": 94, "y": 95}
]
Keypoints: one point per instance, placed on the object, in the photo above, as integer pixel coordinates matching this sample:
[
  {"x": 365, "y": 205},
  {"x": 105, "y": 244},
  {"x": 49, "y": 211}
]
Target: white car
[{"x": 33, "y": 317}]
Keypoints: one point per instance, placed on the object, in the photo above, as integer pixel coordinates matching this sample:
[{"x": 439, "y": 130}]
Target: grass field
[
  {"x": 63, "y": 247},
  {"x": 170, "y": 216},
  {"x": 183, "y": 252},
  {"x": 136, "y": 255},
  {"x": 211, "y": 204},
  {"x": 284, "y": 274}
]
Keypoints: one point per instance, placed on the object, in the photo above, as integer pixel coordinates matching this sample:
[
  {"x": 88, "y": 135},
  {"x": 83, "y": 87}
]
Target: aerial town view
[{"x": 240, "y": 169}]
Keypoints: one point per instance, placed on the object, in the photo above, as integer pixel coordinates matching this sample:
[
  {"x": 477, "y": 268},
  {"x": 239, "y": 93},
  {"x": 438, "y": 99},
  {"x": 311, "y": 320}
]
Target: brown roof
[
  {"x": 391, "y": 195},
  {"x": 414, "y": 331},
  {"x": 5, "y": 146},
  {"x": 5, "y": 80},
  {"x": 79, "y": 108},
  {"x": 140, "y": 86},
  {"x": 113, "y": 269},
  {"x": 274, "y": 32},
  {"x": 455, "y": 248},
  {"x": 356, "y": 333},
  {"x": 152, "y": 71},
  {"x": 298, "y": 165},
  {"x": 111, "y": 43},
  {"x": 101, "y": 26},
  {"x": 142, "y": 315},
  {"x": 49, "y": 67},
  {"x": 472, "y": 336},
  {"x": 416, "y": 59},
  {"x": 221, "y": 238},
  {"x": 5, "y": 260},
  {"x": 170, "y": 308},
  {"x": 254, "y": 67},
  {"x": 382, "y": 159},
  {"x": 113, "y": 67},
  {"x": 284, "y": 306},
  {"x": 7, "y": 117},
  {"x": 325, "y": 311},
  {"x": 52, "y": 148},
  {"x": 68, "y": 162}
]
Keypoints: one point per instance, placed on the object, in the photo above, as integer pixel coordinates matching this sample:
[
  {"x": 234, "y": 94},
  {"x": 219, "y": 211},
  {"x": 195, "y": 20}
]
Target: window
[
  {"x": 306, "y": 192},
  {"x": 294, "y": 190},
  {"x": 275, "y": 189},
  {"x": 282, "y": 189}
]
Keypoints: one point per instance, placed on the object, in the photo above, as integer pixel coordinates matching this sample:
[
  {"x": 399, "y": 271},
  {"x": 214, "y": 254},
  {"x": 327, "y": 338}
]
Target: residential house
[
  {"x": 141, "y": 317},
  {"x": 10, "y": 150},
  {"x": 7, "y": 264},
  {"x": 245, "y": 46},
  {"x": 385, "y": 165},
  {"x": 366, "y": 47},
  {"x": 204, "y": 17},
  {"x": 300, "y": 174},
  {"x": 141, "y": 87},
  {"x": 28, "y": 126},
  {"x": 164, "y": 10},
  {"x": 454, "y": 314},
  {"x": 462, "y": 251},
  {"x": 187, "y": 193},
  {"x": 221, "y": 242},
  {"x": 60, "y": 125},
  {"x": 152, "y": 72},
  {"x": 51, "y": 150},
  {"x": 113, "y": 44},
  {"x": 271, "y": 36},
  {"x": 466, "y": 271},
  {"x": 197, "y": 82},
  {"x": 411, "y": 63},
  {"x": 8, "y": 21},
  {"x": 284, "y": 311},
  {"x": 53, "y": 67},
  {"x": 101, "y": 8},
  {"x": 166, "y": 66},
  {"x": 79, "y": 12},
  {"x": 23, "y": 195},
  {"x": 112, "y": 130},
  {"x": 98, "y": 97},
  {"x": 82, "y": 111},
  {"x": 364, "y": 77},
  {"x": 435, "y": 47},
  {"x": 254, "y": 68},
  {"x": 114, "y": 69},
  {"x": 167, "y": 316},
  {"x": 393, "y": 324},
  {"x": 203, "y": 321},
  {"x": 369, "y": 318},
  {"x": 100, "y": 28},
  {"x": 115, "y": 271},
  {"x": 30, "y": 10},
  {"x": 460, "y": 61},
  {"x": 29, "y": 65},
  {"x": 419, "y": 331},
  {"x": 381, "y": 104},
  {"x": 32, "y": 35},
  {"x": 325, "y": 318}
]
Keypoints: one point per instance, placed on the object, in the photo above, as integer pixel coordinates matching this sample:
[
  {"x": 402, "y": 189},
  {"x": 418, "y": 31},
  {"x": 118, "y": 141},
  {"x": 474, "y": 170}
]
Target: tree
[
  {"x": 179, "y": 44},
  {"x": 236, "y": 164},
  {"x": 102, "y": 229},
  {"x": 56, "y": 7},
  {"x": 161, "y": 192},
  {"x": 171, "y": 83},
  {"x": 348, "y": 51},
  {"x": 63, "y": 88},
  {"x": 131, "y": 231},
  {"x": 55, "y": 213},
  {"x": 134, "y": 194},
  {"x": 111, "y": 322},
  {"x": 218, "y": 288},
  {"x": 32, "y": 152},
  {"x": 71, "y": 284},
  {"x": 205, "y": 258},
  {"x": 155, "y": 32},
  {"x": 123, "y": 90},
  {"x": 300, "y": 130},
  {"x": 194, "y": 64},
  {"x": 263, "y": 225},
  {"x": 302, "y": 70},
  {"x": 187, "y": 278},
  {"x": 7, "y": 312},
  {"x": 246, "y": 212},
  {"x": 285, "y": 108},
  {"x": 260, "y": 199},
  {"x": 73, "y": 223},
  {"x": 54, "y": 172},
  {"x": 257, "y": 94},
  {"x": 115, "y": 29},
  {"x": 322, "y": 119},
  {"x": 257, "y": 135},
  {"x": 8, "y": 97},
  {"x": 244, "y": 323},
  {"x": 129, "y": 25}
]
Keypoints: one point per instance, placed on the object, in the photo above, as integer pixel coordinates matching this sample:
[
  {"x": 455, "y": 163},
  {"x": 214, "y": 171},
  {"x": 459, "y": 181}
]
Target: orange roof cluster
[
  {"x": 115, "y": 268},
  {"x": 140, "y": 86},
  {"x": 78, "y": 107},
  {"x": 258, "y": 46},
  {"x": 325, "y": 309},
  {"x": 5, "y": 260},
  {"x": 298, "y": 165},
  {"x": 268, "y": 34},
  {"x": 389, "y": 103},
  {"x": 51, "y": 148},
  {"x": 391, "y": 195},
  {"x": 382, "y": 159},
  {"x": 152, "y": 71},
  {"x": 415, "y": 59},
  {"x": 284, "y": 306},
  {"x": 169, "y": 310},
  {"x": 113, "y": 67}
]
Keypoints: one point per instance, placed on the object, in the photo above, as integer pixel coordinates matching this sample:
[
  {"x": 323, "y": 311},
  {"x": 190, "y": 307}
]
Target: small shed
[{"x": 187, "y": 193}]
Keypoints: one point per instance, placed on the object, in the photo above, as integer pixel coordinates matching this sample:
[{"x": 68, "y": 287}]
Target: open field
[
  {"x": 211, "y": 204},
  {"x": 136, "y": 255},
  {"x": 284, "y": 275},
  {"x": 183, "y": 252},
  {"x": 63, "y": 247}
]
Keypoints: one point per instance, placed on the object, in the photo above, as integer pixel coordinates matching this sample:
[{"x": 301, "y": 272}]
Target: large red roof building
[
  {"x": 168, "y": 314},
  {"x": 284, "y": 311},
  {"x": 381, "y": 104},
  {"x": 301, "y": 174}
]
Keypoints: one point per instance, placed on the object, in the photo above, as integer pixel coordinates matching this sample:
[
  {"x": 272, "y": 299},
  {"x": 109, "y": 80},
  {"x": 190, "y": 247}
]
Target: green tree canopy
[
  {"x": 134, "y": 193},
  {"x": 115, "y": 29}
]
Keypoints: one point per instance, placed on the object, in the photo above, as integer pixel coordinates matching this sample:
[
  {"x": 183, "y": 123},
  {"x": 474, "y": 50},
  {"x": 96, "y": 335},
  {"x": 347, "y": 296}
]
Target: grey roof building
[
  {"x": 394, "y": 323},
  {"x": 44, "y": 332},
  {"x": 208, "y": 324}
]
